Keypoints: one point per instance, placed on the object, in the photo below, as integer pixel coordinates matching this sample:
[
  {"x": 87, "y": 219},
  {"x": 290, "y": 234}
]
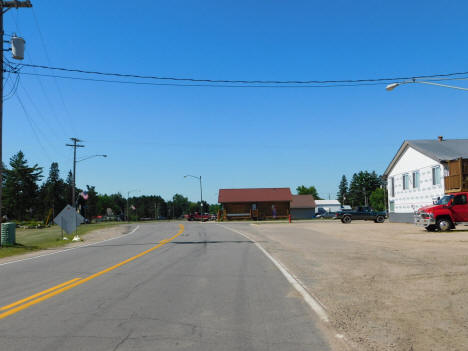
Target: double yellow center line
[{"x": 58, "y": 289}]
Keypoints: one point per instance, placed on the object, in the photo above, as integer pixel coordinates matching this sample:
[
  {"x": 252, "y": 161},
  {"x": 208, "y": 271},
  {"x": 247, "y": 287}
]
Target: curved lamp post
[
  {"x": 392, "y": 86},
  {"x": 201, "y": 192}
]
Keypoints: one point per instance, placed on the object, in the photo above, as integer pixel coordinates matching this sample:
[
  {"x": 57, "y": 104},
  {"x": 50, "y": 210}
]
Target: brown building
[
  {"x": 255, "y": 203},
  {"x": 302, "y": 207}
]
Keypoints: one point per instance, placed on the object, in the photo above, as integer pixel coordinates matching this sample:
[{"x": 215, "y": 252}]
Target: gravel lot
[{"x": 385, "y": 286}]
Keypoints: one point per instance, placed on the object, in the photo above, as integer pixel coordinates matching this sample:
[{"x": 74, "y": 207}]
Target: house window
[
  {"x": 415, "y": 179},
  {"x": 392, "y": 206},
  {"x": 405, "y": 181},
  {"x": 436, "y": 175},
  {"x": 392, "y": 187}
]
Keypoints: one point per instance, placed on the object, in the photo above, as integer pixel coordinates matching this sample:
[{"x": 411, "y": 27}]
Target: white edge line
[
  {"x": 71, "y": 248},
  {"x": 314, "y": 304}
]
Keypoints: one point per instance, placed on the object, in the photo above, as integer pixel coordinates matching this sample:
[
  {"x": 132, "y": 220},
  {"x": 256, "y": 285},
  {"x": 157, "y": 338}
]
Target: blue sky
[{"x": 234, "y": 137}]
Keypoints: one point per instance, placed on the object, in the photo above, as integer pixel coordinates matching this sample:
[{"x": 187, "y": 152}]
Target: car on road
[
  {"x": 361, "y": 213},
  {"x": 445, "y": 214}
]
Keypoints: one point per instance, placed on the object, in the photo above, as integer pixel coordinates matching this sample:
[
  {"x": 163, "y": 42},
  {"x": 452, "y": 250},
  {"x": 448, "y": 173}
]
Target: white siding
[{"x": 409, "y": 200}]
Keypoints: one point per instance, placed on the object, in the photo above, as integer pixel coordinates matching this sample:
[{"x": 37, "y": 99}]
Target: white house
[{"x": 415, "y": 177}]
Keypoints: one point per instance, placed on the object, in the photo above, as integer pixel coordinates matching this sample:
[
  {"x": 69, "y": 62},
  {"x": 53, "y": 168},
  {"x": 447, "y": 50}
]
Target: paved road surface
[{"x": 207, "y": 289}]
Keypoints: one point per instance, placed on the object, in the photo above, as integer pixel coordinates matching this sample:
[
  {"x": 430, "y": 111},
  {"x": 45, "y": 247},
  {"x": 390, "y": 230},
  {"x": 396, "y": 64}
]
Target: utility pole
[
  {"x": 4, "y": 7},
  {"x": 74, "y": 146}
]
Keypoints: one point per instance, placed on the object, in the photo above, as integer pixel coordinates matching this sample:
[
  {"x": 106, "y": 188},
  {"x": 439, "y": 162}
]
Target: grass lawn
[{"x": 36, "y": 239}]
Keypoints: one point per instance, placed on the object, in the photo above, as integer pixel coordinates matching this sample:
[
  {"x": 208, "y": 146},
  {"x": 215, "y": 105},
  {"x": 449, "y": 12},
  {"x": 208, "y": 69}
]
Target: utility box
[
  {"x": 8, "y": 234},
  {"x": 457, "y": 180}
]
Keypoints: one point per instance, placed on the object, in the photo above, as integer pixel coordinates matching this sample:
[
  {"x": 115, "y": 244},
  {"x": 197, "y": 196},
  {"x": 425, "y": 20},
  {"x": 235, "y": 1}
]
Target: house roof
[
  {"x": 254, "y": 195},
  {"x": 327, "y": 202},
  {"x": 303, "y": 201},
  {"x": 444, "y": 150}
]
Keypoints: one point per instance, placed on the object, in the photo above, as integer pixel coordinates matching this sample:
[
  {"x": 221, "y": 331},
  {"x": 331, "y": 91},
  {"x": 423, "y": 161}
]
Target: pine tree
[
  {"x": 53, "y": 191},
  {"x": 343, "y": 191},
  {"x": 21, "y": 190}
]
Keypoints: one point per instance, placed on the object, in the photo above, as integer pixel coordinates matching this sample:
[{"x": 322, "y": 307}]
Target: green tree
[
  {"x": 53, "y": 191},
  {"x": 181, "y": 205},
  {"x": 377, "y": 199},
  {"x": 21, "y": 189},
  {"x": 311, "y": 190},
  {"x": 362, "y": 185},
  {"x": 90, "y": 205},
  {"x": 342, "y": 195}
]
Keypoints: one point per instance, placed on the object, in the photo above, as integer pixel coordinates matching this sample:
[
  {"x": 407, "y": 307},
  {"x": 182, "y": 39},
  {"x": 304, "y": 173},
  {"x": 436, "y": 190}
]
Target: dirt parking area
[{"x": 385, "y": 286}]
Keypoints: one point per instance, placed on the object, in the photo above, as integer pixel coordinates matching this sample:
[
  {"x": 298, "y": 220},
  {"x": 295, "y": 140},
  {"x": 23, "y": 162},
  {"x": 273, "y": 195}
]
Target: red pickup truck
[
  {"x": 198, "y": 217},
  {"x": 445, "y": 214}
]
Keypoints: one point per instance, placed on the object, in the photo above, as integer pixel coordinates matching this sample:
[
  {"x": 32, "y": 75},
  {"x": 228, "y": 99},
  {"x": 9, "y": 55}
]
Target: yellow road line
[
  {"x": 84, "y": 280},
  {"x": 19, "y": 302}
]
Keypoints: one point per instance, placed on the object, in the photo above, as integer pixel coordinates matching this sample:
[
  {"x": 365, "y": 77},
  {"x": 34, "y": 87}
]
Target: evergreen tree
[
  {"x": 53, "y": 192},
  {"x": 21, "y": 189},
  {"x": 342, "y": 195}
]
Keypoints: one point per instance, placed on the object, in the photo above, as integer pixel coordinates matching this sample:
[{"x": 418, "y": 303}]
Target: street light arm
[
  {"x": 442, "y": 85},
  {"x": 189, "y": 175},
  {"x": 92, "y": 156},
  {"x": 392, "y": 86}
]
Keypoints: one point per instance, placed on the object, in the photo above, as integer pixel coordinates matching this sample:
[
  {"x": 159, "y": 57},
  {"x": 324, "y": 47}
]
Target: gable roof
[
  {"x": 254, "y": 195},
  {"x": 439, "y": 151},
  {"x": 303, "y": 201}
]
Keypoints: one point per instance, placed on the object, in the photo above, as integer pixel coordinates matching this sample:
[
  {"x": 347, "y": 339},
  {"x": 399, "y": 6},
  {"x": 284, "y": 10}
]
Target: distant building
[
  {"x": 255, "y": 203},
  {"x": 415, "y": 176},
  {"x": 302, "y": 207},
  {"x": 322, "y": 206}
]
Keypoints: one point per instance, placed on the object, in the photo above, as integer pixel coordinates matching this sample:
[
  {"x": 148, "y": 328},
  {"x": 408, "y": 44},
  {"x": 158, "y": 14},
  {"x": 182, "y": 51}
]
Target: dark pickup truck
[{"x": 362, "y": 213}]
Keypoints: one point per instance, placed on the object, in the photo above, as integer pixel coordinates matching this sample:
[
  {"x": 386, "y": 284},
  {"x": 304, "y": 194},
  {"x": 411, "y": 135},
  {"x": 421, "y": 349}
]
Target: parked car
[
  {"x": 445, "y": 214},
  {"x": 361, "y": 213}
]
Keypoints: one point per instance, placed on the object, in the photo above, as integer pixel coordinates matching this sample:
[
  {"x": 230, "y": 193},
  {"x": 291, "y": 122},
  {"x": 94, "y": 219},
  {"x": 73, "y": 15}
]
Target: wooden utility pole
[
  {"x": 74, "y": 146},
  {"x": 4, "y": 7}
]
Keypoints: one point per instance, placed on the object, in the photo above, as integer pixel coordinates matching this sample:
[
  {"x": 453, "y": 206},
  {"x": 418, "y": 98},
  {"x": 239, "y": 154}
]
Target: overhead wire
[
  {"x": 59, "y": 90},
  {"x": 200, "y": 85},
  {"x": 33, "y": 128},
  {"x": 227, "y": 85},
  {"x": 196, "y": 80}
]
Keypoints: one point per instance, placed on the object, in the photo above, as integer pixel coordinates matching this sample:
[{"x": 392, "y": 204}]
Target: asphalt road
[{"x": 206, "y": 289}]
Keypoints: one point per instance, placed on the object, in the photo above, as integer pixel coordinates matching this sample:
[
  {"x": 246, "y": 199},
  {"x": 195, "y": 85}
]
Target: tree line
[
  {"x": 26, "y": 198},
  {"x": 365, "y": 188}
]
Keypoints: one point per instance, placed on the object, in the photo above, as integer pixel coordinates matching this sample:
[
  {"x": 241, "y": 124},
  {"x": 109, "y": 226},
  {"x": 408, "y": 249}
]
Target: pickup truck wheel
[
  {"x": 444, "y": 224},
  {"x": 346, "y": 219},
  {"x": 379, "y": 219}
]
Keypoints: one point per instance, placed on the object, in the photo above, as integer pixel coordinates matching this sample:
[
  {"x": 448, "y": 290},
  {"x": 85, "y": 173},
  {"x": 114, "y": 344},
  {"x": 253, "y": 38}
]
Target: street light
[
  {"x": 201, "y": 193},
  {"x": 392, "y": 86},
  {"x": 128, "y": 195}
]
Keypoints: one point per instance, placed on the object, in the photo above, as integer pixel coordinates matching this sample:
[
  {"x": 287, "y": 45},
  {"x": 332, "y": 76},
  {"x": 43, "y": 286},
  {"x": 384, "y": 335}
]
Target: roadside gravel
[{"x": 385, "y": 286}]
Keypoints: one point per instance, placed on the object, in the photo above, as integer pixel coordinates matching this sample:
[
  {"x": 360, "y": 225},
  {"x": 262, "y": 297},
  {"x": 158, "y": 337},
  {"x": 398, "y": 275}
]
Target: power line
[
  {"x": 33, "y": 128},
  {"x": 124, "y": 75},
  {"x": 59, "y": 90},
  {"x": 224, "y": 85},
  {"x": 201, "y": 85}
]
